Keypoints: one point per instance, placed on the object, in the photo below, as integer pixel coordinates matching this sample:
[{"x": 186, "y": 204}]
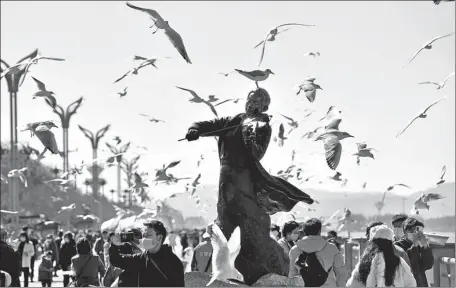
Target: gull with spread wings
[
  {"x": 272, "y": 37},
  {"x": 280, "y": 137},
  {"x": 49, "y": 95},
  {"x": 273, "y": 32},
  {"x": 172, "y": 35},
  {"x": 333, "y": 149},
  {"x": 235, "y": 101},
  {"x": 442, "y": 175},
  {"x": 123, "y": 93},
  {"x": 198, "y": 99},
  {"x": 19, "y": 173},
  {"x": 43, "y": 132},
  {"x": 363, "y": 152},
  {"x": 61, "y": 182},
  {"x": 151, "y": 119},
  {"x": 226, "y": 74},
  {"x": 34, "y": 57},
  {"x": 421, "y": 115},
  {"x": 224, "y": 253},
  {"x": 427, "y": 46},
  {"x": 439, "y": 85},
  {"x": 422, "y": 201}
]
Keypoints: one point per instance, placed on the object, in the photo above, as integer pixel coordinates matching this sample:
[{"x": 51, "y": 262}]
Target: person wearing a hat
[
  {"x": 379, "y": 265},
  {"x": 202, "y": 256},
  {"x": 10, "y": 261}
]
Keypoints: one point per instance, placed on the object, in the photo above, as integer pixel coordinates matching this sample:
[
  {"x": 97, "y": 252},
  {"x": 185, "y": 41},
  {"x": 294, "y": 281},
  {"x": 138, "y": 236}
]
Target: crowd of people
[{"x": 152, "y": 256}]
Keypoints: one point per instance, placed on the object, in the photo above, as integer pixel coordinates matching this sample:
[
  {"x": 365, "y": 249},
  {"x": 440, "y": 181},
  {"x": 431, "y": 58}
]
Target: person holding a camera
[
  {"x": 132, "y": 237},
  {"x": 414, "y": 242},
  {"x": 157, "y": 266}
]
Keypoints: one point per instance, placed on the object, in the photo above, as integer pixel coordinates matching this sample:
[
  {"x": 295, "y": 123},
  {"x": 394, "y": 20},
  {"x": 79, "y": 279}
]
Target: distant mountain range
[{"x": 361, "y": 202}]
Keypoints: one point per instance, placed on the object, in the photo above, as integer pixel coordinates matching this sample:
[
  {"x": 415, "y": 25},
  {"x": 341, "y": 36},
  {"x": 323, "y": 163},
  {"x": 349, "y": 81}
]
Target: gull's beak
[{"x": 272, "y": 73}]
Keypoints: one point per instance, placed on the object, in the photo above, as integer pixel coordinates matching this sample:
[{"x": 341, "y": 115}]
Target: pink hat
[{"x": 381, "y": 232}]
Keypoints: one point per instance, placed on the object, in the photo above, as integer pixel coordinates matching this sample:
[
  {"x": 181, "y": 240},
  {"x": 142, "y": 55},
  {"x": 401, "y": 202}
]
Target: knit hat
[{"x": 381, "y": 232}]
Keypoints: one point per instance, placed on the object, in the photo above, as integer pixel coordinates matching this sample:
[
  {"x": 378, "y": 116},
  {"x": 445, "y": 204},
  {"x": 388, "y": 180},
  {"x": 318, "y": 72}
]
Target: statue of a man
[{"x": 247, "y": 193}]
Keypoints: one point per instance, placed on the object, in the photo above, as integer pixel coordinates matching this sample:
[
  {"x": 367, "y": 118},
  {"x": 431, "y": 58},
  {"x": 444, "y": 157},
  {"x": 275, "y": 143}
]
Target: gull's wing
[
  {"x": 23, "y": 179},
  {"x": 281, "y": 130},
  {"x": 152, "y": 13},
  {"x": 51, "y": 101},
  {"x": 135, "y": 57},
  {"x": 332, "y": 217},
  {"x": 333, "y": 150},
  {"x": 197, "y": 178},
  {"x": 434, "y": 196},
  {"x": 439, "y": 37},
  {"x": 123, "y": 76},
  {"x": 334, "y": 124},
  {"x": 177, "y": 42},
  {"x": 145, "y": 115},
  {"x": 264, "y": 47},
  {"x": 294, "y": 24},
  {"x": 195, "y": 96},
  {"x": 224, "y": 101},
  {"x": 40, "y": 84},
  {"x": 361, "y": 146},
  {"x": 429, "y": 82},
  {"x": 406, "y": 127},
  {"x": 234, "y": 245},
  {"x": 414, "y": 55},
  {"x": 384, "y": 195},
  {"x": 447, "y": 78},
  {"x": 47, "y": 138},
  {"x": 212, "y": 108},
  {"x": 259, "y": 44},
  {"x": 399, "y": 184},
  {"x": 429, "y": 107},
  {"x": 138, "y": 178},
  {"x": 172, "y": 164},
  {"x": 8, "y": 212},
  {"x": 30, "y": 56},
  {"x": 443, "y": 172},
  {"x": 288, "y": 118}
]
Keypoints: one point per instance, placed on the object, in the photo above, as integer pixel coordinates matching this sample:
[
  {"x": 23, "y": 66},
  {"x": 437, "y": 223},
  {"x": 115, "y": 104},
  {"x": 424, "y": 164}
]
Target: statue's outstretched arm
[{"x": 213, "y": 127}]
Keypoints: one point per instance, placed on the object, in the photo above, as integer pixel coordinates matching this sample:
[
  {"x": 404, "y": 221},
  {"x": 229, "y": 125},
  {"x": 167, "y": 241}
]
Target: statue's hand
[{"x": 192, "y": 135}]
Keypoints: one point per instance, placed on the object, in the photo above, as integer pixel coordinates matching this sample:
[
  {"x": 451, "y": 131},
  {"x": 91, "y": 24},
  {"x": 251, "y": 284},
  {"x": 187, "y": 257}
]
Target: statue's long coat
[{"x": 248, "y": 195}]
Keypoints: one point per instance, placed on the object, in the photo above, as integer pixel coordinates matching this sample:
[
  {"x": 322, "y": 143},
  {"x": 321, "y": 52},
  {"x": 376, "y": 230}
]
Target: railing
[{"x": 443, "y": 273}]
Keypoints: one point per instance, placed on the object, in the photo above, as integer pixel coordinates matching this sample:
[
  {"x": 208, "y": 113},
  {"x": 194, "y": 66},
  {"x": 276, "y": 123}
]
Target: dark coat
[
  {"x": 148, "y": 275},
  {"x": 10, "y": 262},
  {"x": 275, "y": 194},
  {"x": 44, "y": 271},
  {"x": 129, "y": 277},
  {"x": 67, "y": 251},
  {"x": 420, "y": 258}
]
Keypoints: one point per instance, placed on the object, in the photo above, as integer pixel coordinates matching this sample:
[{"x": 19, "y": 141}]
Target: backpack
[{"x": 312, "y": 272}]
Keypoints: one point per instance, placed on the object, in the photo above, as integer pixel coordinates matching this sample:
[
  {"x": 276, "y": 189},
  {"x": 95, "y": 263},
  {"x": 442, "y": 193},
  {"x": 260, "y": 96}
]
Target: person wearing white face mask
[{"x": 157, "y": 266}]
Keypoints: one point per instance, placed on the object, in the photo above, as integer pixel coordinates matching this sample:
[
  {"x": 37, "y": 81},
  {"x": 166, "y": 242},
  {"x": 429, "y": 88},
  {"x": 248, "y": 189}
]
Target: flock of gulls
[{"x": 327, "y": 132}]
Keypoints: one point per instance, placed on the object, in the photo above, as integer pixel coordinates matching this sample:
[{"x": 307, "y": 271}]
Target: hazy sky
[{"x": 363, "y": 47}]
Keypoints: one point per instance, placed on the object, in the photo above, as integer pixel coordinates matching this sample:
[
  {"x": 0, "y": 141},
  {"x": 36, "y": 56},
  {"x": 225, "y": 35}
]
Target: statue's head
[{"x": 257, "y": 102}]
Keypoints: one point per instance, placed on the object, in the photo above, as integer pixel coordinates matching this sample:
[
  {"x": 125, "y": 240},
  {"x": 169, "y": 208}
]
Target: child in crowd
[{"x": 45, "y": 270}]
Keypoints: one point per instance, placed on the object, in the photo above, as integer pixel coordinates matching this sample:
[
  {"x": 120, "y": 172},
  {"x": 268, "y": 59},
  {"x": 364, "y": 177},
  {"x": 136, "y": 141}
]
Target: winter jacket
[
  {"x": 129, "y": 277},
  {"x": 398, "y": 251},
  {"x": 421, "y": 260},
  {"x": 45, "y": 270},
  {"x": 170, "y": 271},
  {"x": 328, "y": 255},
  {"x": 27, "y": 254},
  {"x": 376, "y": 278},
  {"x": 50, "y": 245},
  {"x": 10, "y": 262},
  {"x": 202, "y": 257},
  {"x": 67, "y": 251},
  {"x": 89, "y": 267}
]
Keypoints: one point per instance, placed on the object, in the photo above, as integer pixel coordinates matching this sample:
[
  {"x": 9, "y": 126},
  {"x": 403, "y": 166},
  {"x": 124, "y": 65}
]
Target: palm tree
[
  {"x": 87, "y": 183},
  {"x": 112, "y": 194},
  {"x": 102, "y": 184}
]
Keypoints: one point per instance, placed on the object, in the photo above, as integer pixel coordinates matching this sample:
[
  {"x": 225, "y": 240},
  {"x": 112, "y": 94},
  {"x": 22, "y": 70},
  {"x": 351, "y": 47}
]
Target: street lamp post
[
  {"x": 94, "y": 140},
  {"x": 65, "y": 116},
  {"x": 128, "y": 168},
  {"x": 13, "y": 78},
  {"x": 115, "y": 151}
]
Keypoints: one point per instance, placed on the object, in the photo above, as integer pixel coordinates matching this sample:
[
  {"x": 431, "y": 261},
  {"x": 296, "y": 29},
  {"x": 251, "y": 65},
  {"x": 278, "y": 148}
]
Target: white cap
[{"x": 381, "y": 232}]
